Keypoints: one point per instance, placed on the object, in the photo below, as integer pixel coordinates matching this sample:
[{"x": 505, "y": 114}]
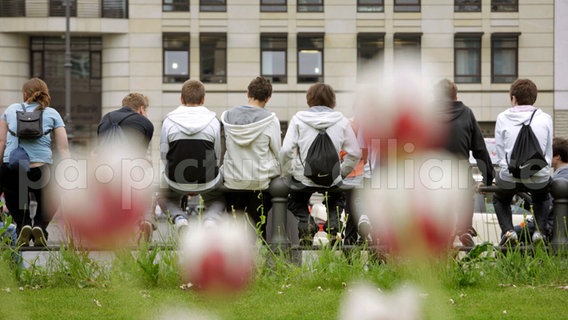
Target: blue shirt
[{"x": 38, "y": 149}]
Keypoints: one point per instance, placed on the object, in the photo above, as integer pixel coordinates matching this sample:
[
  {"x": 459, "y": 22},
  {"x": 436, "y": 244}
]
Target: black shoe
[
  {"x": 509, "y": 238},
  {"x": 39, "y": 237},
  {"x": 467, "y": 239},
  {"x": 24, "y": 237}
]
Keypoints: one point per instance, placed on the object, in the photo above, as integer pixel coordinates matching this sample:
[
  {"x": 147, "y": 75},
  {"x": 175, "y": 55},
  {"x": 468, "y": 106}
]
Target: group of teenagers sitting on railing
[{"x": 322, "y": 151}]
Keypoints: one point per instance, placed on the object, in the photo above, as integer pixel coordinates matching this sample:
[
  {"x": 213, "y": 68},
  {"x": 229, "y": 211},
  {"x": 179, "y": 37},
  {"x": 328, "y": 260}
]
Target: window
[
  {"x": 504, "y": 5},
  {"x": 310, "y": 6},
  {"x": 47, "y": 60},
  {"x": 406, "y": 5},
  {"x": 273, "y": 56},
  {"x": 467, "y": 57},
  {"x": 504, "y": 57},
  {"x": 175, "y": 5},
  {"x": 370, "y": 49},
  {"x": 310, "y": 57},
  {"x": 273, "y": 6},
  {"x": 467, "y": 5},
  {"x": 176, "y": 57},
  {"x": 370, "y": 6},
  {"x": 57, "y": 8},
  {"x": 212, "y": 5},
  {"x": 407, "y": 50},
  {"x": 12, "y": 8},
  {"x": 115, "y": 9},
  {"x": 213, "y": 57}
]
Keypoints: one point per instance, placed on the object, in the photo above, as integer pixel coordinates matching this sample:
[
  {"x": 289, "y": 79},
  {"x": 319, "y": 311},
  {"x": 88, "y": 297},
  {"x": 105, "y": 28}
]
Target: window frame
[
  {"x": 467, "y": 6},
  {"x": 274, "y": 78},
  {"x": 176, "y": 6},
  {"x": 407, "y": 36},
  {"x": 117, "y": 9},
  {"x": 496, "y": 37},
  {"x": 504, "y": 6},
  {"x": 476, "y": 78},
  {"x": 274, "y": 7},
  {"x": 13, "y": 8},
  {"x": 362, "y": 38},
  {"x": 314, "y": 47},
  {"x": 57, "y": 8},
  {"x": 407, "y": 7},
  {"x": 212, "y": 6},
  {"x": 184, "y": 38},
  {"x": 310, "y": 7},
  {"x": 380, "y": 5},
  {"x": 221, "y": 38}
]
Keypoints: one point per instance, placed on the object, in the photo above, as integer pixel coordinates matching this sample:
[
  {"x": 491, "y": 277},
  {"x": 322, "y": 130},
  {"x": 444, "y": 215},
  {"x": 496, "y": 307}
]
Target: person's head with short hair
[
  {"x": 136, "y": 101},
  {"x": 259, "y": 89},
  {"x": 35, "y": 90},
  {"x": 193, "y": 93},
  {"x": 320, "y": 94},
  {"x": 524, "y": 91},
  {"x": 559, "y": 152},
  {"x": 446, "y": 90}
]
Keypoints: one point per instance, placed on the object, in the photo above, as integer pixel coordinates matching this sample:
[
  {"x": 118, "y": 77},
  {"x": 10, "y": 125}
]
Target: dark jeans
[
  {"x": 254, "y": 203},
  {"x": 502, "y": 202},
  {"x": 170, "y": 201},
  {"x": 19, "y": 188},
  {"x": 298, "y": 202}
]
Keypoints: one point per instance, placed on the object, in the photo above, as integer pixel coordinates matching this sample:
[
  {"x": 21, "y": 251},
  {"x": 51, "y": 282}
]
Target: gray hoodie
[
  {"x": 252, "y": 140},
  {"x": 302, "y": 131}
]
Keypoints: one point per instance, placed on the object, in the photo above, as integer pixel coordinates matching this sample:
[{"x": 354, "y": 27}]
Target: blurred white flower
[{"x": 364, "y": 302}]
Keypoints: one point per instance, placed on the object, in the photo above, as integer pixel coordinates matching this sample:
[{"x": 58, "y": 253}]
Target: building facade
[{"x": 152, "y": 46}]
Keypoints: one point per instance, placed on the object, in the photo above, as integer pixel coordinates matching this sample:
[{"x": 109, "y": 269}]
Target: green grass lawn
[
  {"x": 262, "y": 302},
  {"x": 483, "y": 285}
]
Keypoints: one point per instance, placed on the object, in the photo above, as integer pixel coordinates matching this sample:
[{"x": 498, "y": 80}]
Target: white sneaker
[
  {"x": 537, "y": 237},
  {"x": 180, "y": 223}
]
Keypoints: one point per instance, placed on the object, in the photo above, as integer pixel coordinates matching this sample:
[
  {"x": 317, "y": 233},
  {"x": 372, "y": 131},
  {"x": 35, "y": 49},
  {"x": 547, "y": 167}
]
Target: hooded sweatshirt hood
[
  {"x": 520, "y": 114},
  {"x": 245, "y": 127},
  {"x": 453, "y": 110},
  {"x": 319, "y": 117},
  {"x": 191, "y": 120}
]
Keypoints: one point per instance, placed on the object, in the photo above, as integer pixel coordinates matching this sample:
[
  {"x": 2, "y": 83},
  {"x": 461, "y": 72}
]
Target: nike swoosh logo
[
  {"x": 322, "y": 175},
  {"x": 521, "y": 167}
]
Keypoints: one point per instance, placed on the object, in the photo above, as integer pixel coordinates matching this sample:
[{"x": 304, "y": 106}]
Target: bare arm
[
  {"x": 61, "y": 143},
  {"x": 3, "y": 137}
]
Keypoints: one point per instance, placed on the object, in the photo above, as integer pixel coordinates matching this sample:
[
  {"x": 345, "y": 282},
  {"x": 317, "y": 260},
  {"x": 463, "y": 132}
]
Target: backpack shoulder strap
[
  {"x": 532, "y": 115},
  {"x": 123, "y": 118},
  {"x": 23, "y": 110}
]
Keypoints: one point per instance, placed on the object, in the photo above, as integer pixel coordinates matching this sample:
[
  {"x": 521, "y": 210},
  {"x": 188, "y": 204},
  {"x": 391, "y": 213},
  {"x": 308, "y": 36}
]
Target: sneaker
[
  {"x": 509, "y": 238},
  {"x": 39, "y": 237},
  {"x": 24, "y": 237},
  {"x": 467, "y": 239},
  {"x": 181, "y": 224},
  {"x": 364, "y": 227},
  {"x": 537, "y": 237},
  {"x": 146, "y": 230}
]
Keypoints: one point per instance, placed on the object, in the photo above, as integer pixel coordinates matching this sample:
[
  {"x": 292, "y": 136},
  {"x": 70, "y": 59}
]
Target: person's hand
[{"x": 478, "y": 186}]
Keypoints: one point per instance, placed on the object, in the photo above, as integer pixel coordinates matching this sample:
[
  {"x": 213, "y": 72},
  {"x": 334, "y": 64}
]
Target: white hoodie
[
  {"x": 507, "y": 129},
  {"x": 189, "y": 124},
  {"x": 250, "y": 160},
  {"x": 302, "y": 131}
]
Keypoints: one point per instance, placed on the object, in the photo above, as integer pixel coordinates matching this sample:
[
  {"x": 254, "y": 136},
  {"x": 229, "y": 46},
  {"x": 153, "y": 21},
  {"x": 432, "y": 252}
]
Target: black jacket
[
  {"x": 135, "y": 124},
  {"x": 465, "y": 136}
]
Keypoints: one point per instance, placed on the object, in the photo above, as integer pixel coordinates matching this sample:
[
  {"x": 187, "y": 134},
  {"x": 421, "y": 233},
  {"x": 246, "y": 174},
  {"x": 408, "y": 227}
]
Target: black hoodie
[{"x": 465, "y": 135}]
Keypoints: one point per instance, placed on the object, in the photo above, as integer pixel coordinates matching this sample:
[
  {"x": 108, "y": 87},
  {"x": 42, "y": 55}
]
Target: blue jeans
[{"x": 8, "y": 231}]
